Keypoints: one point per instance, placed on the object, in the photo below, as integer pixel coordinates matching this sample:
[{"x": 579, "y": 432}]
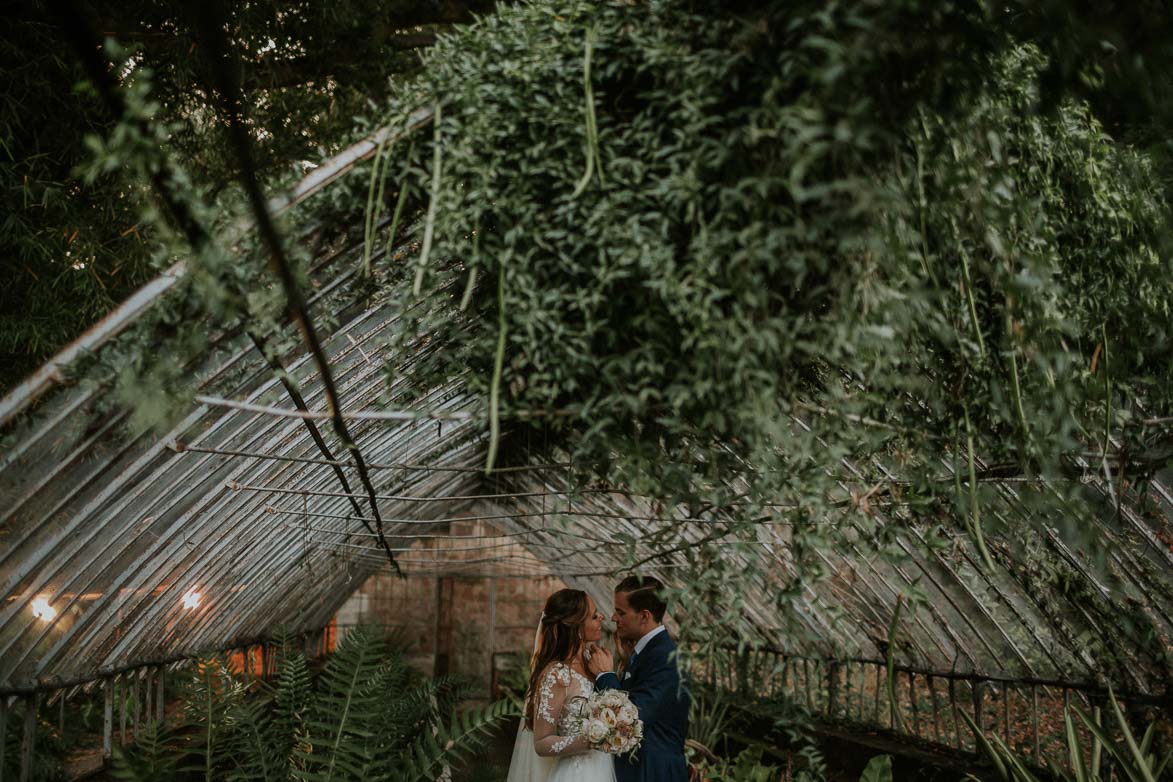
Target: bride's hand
[{"x": 600, "y": 660}]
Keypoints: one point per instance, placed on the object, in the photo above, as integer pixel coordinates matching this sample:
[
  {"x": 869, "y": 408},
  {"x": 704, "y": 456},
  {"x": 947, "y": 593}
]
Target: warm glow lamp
[{"x": 42, "y": 610}]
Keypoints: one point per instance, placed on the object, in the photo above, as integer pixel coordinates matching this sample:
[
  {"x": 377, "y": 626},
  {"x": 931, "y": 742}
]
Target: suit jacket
[{"x": 654, "y": 686}]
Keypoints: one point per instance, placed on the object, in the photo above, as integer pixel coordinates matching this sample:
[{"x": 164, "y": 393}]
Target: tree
[{"x": 71, "y": 249}]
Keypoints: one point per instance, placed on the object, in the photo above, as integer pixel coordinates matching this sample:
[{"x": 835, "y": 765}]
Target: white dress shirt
[{"x": 642, "y": 643}]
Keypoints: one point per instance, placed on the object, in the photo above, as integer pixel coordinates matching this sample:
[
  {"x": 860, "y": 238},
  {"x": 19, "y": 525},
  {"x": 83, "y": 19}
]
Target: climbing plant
[{"x": 715, "y": 253}]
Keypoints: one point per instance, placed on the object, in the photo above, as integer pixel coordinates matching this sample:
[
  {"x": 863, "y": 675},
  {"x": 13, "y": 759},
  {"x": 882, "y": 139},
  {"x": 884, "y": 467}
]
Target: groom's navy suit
[{"x": 653, "y": 684}]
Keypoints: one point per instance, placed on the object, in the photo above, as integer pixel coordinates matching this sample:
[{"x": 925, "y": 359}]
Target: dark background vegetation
[{"x": 71, "y": 250}]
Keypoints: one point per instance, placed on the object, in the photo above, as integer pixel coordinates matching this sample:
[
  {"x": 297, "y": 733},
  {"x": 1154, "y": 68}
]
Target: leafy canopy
[{"x": 713, "y": 251}]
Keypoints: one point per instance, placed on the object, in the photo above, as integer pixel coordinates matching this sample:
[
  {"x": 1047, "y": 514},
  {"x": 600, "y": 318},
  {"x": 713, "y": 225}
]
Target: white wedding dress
[{"x": 557, "y": 750}]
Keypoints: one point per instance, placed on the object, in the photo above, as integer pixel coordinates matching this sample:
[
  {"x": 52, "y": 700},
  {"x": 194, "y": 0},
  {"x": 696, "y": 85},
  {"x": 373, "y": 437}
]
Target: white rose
[
  {"x": 596, "y": 731},
  {"x": 629, "y": 713}
]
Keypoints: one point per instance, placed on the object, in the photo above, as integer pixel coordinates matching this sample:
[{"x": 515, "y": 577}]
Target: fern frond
[
  {"x": 210, "y": 695},
  {"x": 345, "y": 711},
  {"x": 152, "y": 758},
  {"x": 467, "y": 732},
  {"x": 291, "y": 705},
  {"x": 256, "y": 745}
]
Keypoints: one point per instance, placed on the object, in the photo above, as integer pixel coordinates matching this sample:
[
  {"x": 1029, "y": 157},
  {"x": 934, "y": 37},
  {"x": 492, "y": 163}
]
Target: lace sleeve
[{"x": 555, "y": 688}]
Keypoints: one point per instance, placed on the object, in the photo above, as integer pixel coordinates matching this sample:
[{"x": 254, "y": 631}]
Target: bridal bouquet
[{"x": 611, "y": 722}]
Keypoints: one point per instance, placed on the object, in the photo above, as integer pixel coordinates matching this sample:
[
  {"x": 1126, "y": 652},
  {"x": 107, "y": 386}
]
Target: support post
[
  {"x": 1034, "y": 721},
  {"x": 443, "y": 647},
  {"x": 848, "y": 681},
  {"x": 29, "y": 738},
  {"x": 3, "y": 732},
  {"x": 134, "y": 704},
  {"x": 148, "y": 702},
  {"x": 741, "y": 672},
  {"x": 1006, "y": 690},
  {"x": 863, "y": 688},
  {"x": 978, "y": 692},
  {"x": 936, "y": 710},
  {"x": 492, "y": 625},
  {"x": 876, "y": 704},
  {"x": 953, "y": 707},
  {"x": 159, "y": 698},
  {"x": 806, "y": 678},
  {"x": 894, "y": 721},
  {"x": 832, "y": 688},
  {"x": 912, "y": 704},
  {"x": 122, "y": 691},
  {"x": 108, "y": 718}
]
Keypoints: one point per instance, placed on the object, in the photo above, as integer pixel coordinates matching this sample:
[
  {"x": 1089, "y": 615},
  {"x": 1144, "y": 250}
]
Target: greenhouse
[{"x": 850, "y": 325}]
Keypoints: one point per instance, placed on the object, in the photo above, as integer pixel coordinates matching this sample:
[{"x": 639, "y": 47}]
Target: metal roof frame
[{"x": 114, "y": 527}]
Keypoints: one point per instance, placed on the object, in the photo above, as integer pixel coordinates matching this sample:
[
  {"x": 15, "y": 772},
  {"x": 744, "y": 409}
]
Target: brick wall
[{"x": 456, "y": 623}]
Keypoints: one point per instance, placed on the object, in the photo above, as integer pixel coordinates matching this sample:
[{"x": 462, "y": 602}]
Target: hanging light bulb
[
  {"x": 191, "y": 600},
  {"x": 42, "y": 610}
]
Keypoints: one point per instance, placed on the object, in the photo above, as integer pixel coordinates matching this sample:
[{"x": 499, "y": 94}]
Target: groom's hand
[{"x": 601, "y": 661}]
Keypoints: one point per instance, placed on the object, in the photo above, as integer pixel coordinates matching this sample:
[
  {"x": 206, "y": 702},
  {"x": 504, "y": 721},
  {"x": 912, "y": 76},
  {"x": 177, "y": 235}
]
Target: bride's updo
[{"x": 560, "y": 638}]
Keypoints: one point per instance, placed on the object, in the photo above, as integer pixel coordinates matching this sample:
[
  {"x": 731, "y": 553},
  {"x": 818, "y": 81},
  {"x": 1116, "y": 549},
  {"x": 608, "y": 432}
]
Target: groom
[{"x": 650, "y": 679}]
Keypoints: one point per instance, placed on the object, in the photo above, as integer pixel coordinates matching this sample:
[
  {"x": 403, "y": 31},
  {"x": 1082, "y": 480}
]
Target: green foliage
[
  {"x": 365, "y": 716},
  {"x": 291, "y": 706},
  {"x": 708, "y": 716},
  {"x": 347, "y": 707},
  {"x": 805, "y": 214},
  {"x": 515, "y": 679},
  {"x": 878, "y": 769},
  {"x": 74, "y": 246},
  {"x": 69, "y": 250},
  {"x": 153, "y": 757},
  {"x": 257, "y": 743},
  {"x": 468, "y": 731},
  {"x": 48, "y": 749},
  {"x": 213, "y": 699},
  {"x": 1134, "y": 760},
  {"x": 720, "y": 718},
  {"x": 748, "y": 766}
]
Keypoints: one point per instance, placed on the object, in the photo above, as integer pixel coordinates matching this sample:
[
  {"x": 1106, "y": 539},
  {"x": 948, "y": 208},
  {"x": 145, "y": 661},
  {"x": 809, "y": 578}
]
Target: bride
[{"x": 550, "y": 746}]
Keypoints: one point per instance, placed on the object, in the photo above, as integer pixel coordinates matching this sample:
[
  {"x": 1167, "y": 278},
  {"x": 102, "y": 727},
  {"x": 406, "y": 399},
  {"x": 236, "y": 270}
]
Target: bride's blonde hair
[{"x": 560, "y": 638}]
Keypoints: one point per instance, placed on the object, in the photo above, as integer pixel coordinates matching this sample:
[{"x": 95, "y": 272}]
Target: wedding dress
[{"x": 557, "y": 750}]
